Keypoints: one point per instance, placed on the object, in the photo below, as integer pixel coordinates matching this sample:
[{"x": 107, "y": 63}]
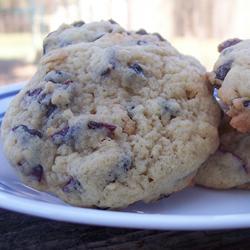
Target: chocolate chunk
[
  {"x": 45, "y": 45},
  {"x": 98, "y": 37},
  {"x": 110, "y": 67},
  {"x": 41, "y": 98},
  {"x": 37, "y": 172},
  {"x": 222, "y": 70},
  {"x": 34, "y": 92},
  {"x": 100, "y": 125},
  {"x": 106, "y": 72},
  {"x": 159, "y": 37},
  {"x": 120, "y": 170},
  {"x": 170, "y": 107},
  {"x": 125, "y": 164},
  {"x": 58, "y": 76},
  {"x": 112, "y": 21},
  {"x": 60, "y": 136},
  {"x": 163, "y": 196},
  {"x": 141, "y": 32},
  {"x": 246, "y": 103},
  {"x": 50, "y": 109},
  {"x": 72, "y": 185},
  {"x": 228, "y": 43},
  {"x": 137, "y": 68},
  {"x": 32, "y": 132},
  {"x": 78, "y": 23},
  {"x": 171, "y": 110},
  {"x": 141, "y": 42},
  {"x": 33, "y": 95}
]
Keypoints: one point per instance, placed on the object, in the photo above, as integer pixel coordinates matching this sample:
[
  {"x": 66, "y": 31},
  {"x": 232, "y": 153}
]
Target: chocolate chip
[
  {"x": 34, "y": 92},
  {"x": 125, "y": 163},
  {"x": 159, "y": 37},
  {"x": 112, "y": 21},
  {"x": 173, "y": 113},
  {"x": 100, "y": 125},
  {"x": 120, "y": 170},
  {"x": 58, "y": 76},
  {"x": 141, "y": 32},
  {"x": 98, "y": 37},
  {"x": 108, "y": 70},
  {"x": 222, "y": 70},
  {"x": 32, "y": 132},
  {"x": 163, "y": 196},
  {"x": 78, "y": 23},
  {"x": 246, "y": 103},
  {"x": 45, "y": 45},
  {"x": 50, "y": 109},
  {"x": 37, "y": 172},
  {"x": 72, "y": 185},
  {"x": 141, "y": 42},
  {"x": 41, "y": 98},
  {"x": 137, "y": 68},
  {"x": 228, "y": 43},
  {"x": 60, "y": 136},
  {"x": 171, "y": 108}
]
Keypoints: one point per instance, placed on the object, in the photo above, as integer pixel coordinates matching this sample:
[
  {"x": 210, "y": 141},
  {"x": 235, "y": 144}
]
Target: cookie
[
  {"x": 231, "y": 76},
  {"x": 229, "y": 167},
  {"x": 110, "y": 122}
]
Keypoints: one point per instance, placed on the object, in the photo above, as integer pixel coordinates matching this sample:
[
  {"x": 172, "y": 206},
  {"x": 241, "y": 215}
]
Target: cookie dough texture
[
  {"x": 231, "y": 75},
  {"x": 229, "y": 167},
  {"x": 111, "y": 121}
]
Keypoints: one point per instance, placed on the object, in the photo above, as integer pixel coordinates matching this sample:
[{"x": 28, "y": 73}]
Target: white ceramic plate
[{"x": 191, "y": 209}]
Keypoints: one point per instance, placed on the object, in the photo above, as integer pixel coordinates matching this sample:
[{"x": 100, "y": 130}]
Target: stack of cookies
[
  {"x": 229, "y": 167},
  {"x": 112, "y": 117}
]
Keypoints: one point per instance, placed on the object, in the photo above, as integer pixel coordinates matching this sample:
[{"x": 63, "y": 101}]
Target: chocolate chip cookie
[
  {"x": 111, "y": 117},
  {"x": 231, "y": 76}
]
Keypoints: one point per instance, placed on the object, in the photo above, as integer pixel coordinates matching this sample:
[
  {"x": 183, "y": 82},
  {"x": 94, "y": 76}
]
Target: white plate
[{"x": 191, "y": 209}]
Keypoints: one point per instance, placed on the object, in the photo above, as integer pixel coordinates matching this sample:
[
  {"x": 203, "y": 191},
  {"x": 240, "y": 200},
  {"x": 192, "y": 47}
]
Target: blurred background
[{"x": 193, "y": 26}]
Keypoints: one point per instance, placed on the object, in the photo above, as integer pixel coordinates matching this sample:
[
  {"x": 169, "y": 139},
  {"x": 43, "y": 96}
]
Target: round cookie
[
  {"x": 229, "y": 167},
  {"x": 108, "y": 123},
  {"x": 231, "y": 75}
]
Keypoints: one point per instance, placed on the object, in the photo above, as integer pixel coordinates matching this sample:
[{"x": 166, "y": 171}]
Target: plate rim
[{"x": 98, "y": 217}]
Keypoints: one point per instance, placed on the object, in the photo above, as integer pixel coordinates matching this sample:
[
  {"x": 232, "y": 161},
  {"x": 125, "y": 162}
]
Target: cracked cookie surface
[{"x": 106, "y": 123}]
